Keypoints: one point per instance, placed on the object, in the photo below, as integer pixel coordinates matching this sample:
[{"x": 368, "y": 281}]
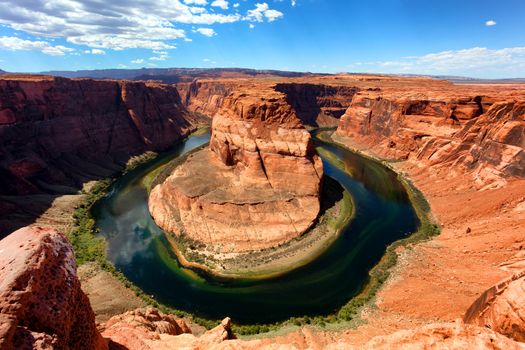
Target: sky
[{"x": 482, "y": 38}]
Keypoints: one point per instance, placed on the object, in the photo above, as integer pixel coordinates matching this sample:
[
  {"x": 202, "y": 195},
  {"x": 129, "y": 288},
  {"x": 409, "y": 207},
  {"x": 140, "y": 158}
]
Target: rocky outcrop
[
  {"x": 41, "y": 303},
  {"x": 139, "y": 330},
  {"x": 502, "y": 308},
  {"x": 444, "y": 336},
  {"x": 56, "y": 134},
  {"x": 262, "y": 180},
  {"x": 476, "y": 133}
]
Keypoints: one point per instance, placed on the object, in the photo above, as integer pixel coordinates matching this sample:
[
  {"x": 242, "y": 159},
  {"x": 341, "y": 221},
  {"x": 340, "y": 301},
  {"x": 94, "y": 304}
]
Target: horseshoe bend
[
  {"x": 262, "y": 183},
  {"x": 330, "y": 211}
]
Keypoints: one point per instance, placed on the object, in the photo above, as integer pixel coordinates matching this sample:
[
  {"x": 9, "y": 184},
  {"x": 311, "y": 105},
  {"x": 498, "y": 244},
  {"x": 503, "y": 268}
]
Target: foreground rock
[
  {"x": 257, "y": 186},
  {"x": 41, "y": 303},
  {"x": 502, "y": 308}
]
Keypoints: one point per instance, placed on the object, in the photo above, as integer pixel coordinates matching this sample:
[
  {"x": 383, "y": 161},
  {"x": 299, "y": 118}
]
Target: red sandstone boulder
[{"x": 41, "y": 303}]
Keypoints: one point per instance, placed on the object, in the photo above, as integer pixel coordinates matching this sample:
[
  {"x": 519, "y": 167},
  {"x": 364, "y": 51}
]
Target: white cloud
[
  {"x": 262, "y": 11},
  {"x": 252, "y": 25},
  {"x": 478, "y": 61},
  {"x": 12, "y": 43},
  {"x": 121, "y": 24},
  {"x": 294, "y": 2},
  {"x": 206, "y": 60},
  {"x": 206, "y": 31},
  {"x": 162, "y": 56},
  {"x": 138, "y": 61},
  {"x": 196, "y": 2},
  {"x": 223, "y": 4},
  {"x": 97, "y": 52},
  {"x": 490, "y": 23},
  {"x": 236, "y": 5}
]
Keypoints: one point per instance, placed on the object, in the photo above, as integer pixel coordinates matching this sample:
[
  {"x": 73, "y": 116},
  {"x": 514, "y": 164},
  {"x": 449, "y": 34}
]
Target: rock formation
[
  {"x": 261, "y": 184},
  {"x": 455, "y": 128},
  {"x": 502, "y": 308},
  {"x": 41, "y": 303},
  {"x": 444, "y": 336},
  {"x": 58, "y": 133}
]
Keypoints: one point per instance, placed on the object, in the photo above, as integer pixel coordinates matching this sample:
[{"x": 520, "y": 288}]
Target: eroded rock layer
[
  {"x": 56, "y": 134},
  {"x": 261, "y": 184},
  {"x": 467, "y": 131}
]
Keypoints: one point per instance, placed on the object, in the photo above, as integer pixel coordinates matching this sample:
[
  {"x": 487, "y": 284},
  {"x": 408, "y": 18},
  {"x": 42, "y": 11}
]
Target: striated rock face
[
  {"x": 56, "y": 134},
  {"x": 502, "y": 308},
  {"x": 41, "y": 303},
  {"x": 318, "y": 104},
  {"x": 315, "y": 104},
  {"x": 205, "y": 97},
  {"x": 61, "y": 131},
  {"x": 262, "y": 180},
  {"x": 479, "y": 134}
]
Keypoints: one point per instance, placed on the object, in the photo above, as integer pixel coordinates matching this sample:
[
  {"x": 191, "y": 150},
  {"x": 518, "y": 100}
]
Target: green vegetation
[{"x": 134, "y": 162}]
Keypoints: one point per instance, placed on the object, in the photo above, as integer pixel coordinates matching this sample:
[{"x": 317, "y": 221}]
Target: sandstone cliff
[
  {"x": 315, "y": 104},
  {"x": 483, "y": 135},
  {"x": 41, "y": 303},
  {"x": 58, "y": 133},
  {"x": 262, "y": 180}
]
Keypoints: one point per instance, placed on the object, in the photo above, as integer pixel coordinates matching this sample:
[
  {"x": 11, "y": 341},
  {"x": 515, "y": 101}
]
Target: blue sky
[{"x": 462, "y": 37}]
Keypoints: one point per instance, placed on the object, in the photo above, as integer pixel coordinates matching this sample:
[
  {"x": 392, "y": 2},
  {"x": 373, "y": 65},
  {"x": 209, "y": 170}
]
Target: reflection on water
[{"x": 139, "y": 249}]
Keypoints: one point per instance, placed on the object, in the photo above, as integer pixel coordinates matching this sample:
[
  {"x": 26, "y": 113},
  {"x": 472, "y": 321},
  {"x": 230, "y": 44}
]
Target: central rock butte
[{"x": 257, "y": 185}]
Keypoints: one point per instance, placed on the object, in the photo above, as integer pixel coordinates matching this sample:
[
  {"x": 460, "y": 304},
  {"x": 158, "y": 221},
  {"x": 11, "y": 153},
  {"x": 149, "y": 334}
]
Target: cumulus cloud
[
  {"x": 294, "y": 2},
  {"x": 13, "y": 43},
  {"x": 262, "y": 11},
  {"x": 122, "y": 24},
  {"x": 478, "y": 60},
  {"x": 97, "y": 52},
  {"x": 138, "y": 61},
  {"x": 223, "y": 4},
  {"x": 206, "y": 31},
  {"x": 490, "y": 23}
]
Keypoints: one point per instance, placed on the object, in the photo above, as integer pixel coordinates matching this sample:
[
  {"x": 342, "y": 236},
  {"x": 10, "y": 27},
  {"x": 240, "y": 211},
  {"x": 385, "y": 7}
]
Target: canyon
[{"x": 461, "y": 145}]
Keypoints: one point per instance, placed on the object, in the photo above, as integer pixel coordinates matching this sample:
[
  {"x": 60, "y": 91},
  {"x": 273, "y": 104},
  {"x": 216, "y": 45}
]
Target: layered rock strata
[
  {"x": 261, "y": 184},
  {"x": 483, "y": 135},
  {"x": 41, "y": 303},
  {"x": 58, "y": 133}
]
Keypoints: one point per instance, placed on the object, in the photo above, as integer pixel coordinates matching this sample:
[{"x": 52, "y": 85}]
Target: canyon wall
[
  {"x": 483, "y": 135},
  {"x": 56, "y": 134},
  {"x": 262, "y": 182},
  {"x": 314, "y": 104}
]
